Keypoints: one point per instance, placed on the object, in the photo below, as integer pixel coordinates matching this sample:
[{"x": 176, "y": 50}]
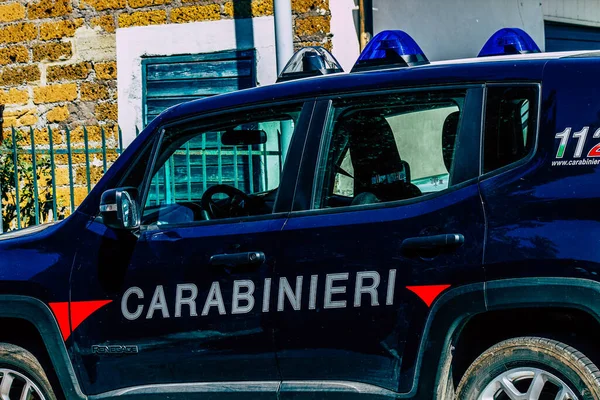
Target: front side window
[
  {"x": 221, "y": 169},
  {"x": 390, "y": 148}
]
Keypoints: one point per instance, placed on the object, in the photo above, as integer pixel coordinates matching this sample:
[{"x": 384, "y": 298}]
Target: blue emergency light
[
  {"x": 309, "y": 61},
  {"x": 390, "y": 49},
  {"x": 509, "y": 41}
]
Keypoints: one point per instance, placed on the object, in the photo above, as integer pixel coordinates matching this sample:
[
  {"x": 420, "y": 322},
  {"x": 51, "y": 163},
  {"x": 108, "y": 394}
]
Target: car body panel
[
  {"x": 541, "y": 217},
  {"x": 529, "y": 227}
]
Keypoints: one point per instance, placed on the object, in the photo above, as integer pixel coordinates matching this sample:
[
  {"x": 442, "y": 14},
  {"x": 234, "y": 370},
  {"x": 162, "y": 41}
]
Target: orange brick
[
  {"x": 42, "y": 137},
  {"x": 327, "y": 44},
  {"x": 52, "y": 51},
  {"x": 13, "y": 54},
  {"x": 146, "y": 3},
  {"x": 54, "y": 93},
  {"x": 245, "y": 9},
  {"x": 11, "y": 12},
  {"x": 106, "y": 22},
  {"x": 20, "y": 117},
  {"x": 59, "y": 29},
  {"x": 14, "y": 96},
  {"x": 15, "y": 76},
  {"x": 63, "y": 196},
  {"x": 68, "y": 72},
  {"x": 304, "y": 6},
  {"x": 313, "y": 25},
  {"x": 143, "y": 18},
  {"x": 107, "y": 112},
  {"x": 76, "y": 158},
  {"x": 101, "y": 5},
  {"x": 93, "y": 91},
  {"x": 49, "y": 9},
  {"x": 111, "y": 156},
  {"x": 81, "y": 174},
  {"x": 57, "y": 114},
  {"x": 196, "y": 13},
  {"x": 21, "y": 32},
  {"x": 106, "y": 70},
  {"x": 62, "y": 176},
  {"x": 93, "y": 134}
]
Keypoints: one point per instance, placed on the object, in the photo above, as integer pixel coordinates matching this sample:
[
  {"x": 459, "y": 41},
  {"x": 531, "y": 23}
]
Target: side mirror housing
[{"x": 119, "y": 208}]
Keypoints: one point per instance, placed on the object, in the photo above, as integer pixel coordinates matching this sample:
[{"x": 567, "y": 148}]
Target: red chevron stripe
[
  {"x": 79, "y": 311},
  {"x": 428, "y": 293},
  {"x": 61, "y": 313}
]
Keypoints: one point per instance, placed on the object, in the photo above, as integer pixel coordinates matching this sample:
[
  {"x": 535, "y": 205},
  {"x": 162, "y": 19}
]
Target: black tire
[
  {"x": 558, "y": 359},
  {"x": 21, "y": 361}
]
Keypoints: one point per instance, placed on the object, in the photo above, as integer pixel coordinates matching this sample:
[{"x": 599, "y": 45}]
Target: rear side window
[
  {"x": 510, "y": 122},
  {"x": 389, "y": 148}
]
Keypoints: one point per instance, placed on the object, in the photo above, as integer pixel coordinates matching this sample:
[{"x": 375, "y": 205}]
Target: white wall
[
  {"x": 195, "y": 38},
  {"x": 346, "y": 47},
  {"x": 580, "y": 12},
  {"x": 448, "y": 29}
]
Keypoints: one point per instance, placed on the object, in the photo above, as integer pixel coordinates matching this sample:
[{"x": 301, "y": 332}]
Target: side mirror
[{"x": 119, "y": 208}]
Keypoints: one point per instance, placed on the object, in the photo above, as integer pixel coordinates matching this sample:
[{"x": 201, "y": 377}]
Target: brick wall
[
  {"x": 57, "y": 57},
  {"x": 58, "y": 65}
]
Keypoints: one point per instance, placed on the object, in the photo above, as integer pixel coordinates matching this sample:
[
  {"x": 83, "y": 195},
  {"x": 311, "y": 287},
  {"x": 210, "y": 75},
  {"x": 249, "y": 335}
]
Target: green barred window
[
  {"x": 192, "y": 160},
  {"x": 204, "y": 161}
]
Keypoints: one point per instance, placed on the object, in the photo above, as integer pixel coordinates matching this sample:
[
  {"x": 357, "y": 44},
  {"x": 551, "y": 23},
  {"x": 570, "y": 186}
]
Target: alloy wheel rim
[
  {"x": 527, "y": 384},
  {"x": 16, "y": 386}
]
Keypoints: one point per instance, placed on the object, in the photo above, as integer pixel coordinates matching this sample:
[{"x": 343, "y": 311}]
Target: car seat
[
  {"x": 378, "y": 168},
  {"x": 449, "y": 132}
]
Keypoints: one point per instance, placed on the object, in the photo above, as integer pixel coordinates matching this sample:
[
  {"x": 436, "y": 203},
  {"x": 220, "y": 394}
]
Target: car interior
[
  {"x": 364, "y": 141},
  {"x": 184, "y": 160},
  {"x": 379, "y": 172}
]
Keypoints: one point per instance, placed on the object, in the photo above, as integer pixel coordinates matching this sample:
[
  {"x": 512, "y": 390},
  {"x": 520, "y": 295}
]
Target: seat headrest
[
  {"x": 373, "y": 149},
  {"x": 449, "y": 132}
]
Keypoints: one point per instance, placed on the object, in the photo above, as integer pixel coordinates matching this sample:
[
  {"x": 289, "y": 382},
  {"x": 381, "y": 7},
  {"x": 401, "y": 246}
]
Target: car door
[
  {"x": 182, "y": 310},
  {"x": 392, "y": 218}
]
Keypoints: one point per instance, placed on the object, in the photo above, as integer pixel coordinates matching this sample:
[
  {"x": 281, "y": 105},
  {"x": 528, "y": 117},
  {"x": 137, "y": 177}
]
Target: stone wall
[
  {"x": 58, "y": 64},
  {"x": 57, "y": 57}
]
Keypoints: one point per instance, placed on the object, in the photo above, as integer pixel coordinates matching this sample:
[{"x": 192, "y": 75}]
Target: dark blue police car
[{"x": 406, "y": 230}]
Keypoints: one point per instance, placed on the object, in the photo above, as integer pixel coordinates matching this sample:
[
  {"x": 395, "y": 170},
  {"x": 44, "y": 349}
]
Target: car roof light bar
[
  {"x": 390, "y": 49},
  {"x": 509, "y": 41},
  {"x": 310, "y": 61}
]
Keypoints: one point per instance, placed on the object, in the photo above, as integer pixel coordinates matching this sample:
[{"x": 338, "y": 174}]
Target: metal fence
[{"x": 46, "y": 173}]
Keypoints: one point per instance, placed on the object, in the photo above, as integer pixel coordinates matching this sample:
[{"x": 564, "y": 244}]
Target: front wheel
[
  {"x": 22, "y": 376},
  {"x": 530, "y": 368}
]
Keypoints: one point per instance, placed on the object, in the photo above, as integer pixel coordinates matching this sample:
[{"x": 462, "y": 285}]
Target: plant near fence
[
  {"x": 29, "y": 173},
  {"x": 32, "y": 202}
]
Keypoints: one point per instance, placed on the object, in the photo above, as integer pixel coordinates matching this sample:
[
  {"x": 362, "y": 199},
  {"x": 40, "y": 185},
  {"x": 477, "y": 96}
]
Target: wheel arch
[
  {"x": 40, "y": 316},
  {"x": 453, "y": 309}
]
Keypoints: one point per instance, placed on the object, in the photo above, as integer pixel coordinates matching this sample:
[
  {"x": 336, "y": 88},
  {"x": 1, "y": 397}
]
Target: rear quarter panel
[{"x": 542, "y": 217}]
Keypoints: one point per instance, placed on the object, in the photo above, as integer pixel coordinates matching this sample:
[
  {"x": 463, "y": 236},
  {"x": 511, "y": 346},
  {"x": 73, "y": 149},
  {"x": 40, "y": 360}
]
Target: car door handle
[
  {"x": 446, "y": 241},
  {"x": 238, "y": 259},
  {"x": 166, "y": 236}
]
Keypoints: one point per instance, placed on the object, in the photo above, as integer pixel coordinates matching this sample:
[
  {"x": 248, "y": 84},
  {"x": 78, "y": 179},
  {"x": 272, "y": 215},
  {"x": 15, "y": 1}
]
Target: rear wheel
[
  {"x": 530, "y": 368},
  {"x": 21, "y": 375}
]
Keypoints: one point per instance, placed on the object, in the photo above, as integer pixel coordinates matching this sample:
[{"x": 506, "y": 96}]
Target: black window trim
[
  {"x": 304, "y": 122},
  {"x": 532, "y": 152},
  {"x": 327, "y": 101},
  {"x": 150, "y": 145}
]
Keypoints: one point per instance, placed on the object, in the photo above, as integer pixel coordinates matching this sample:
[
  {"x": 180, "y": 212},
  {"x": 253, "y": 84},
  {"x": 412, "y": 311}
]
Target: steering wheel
[{"x": 235, "y": 205}]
